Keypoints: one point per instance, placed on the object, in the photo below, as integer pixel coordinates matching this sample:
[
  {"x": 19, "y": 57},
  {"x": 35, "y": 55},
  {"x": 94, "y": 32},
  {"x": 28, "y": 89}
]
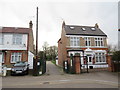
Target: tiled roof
[
  {"x": 83, "y": 30},
  {"x": 14, "y": 30}
]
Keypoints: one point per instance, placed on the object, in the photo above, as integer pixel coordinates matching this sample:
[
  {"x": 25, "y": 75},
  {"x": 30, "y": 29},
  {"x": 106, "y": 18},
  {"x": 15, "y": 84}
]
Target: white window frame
[
  {"x": 87, "y": 41},
  {"x": 2, "y": 38},
  {"x": 15, "y": 57},
  {"x": 3, "y": 58},
  {"x": 99, "y": 42},
  {"x": 17, "y": 39},
  {"x": 74, "y": 41},
  {"x": 2, "y": 54},
  {"x": 100, "y": 57}
]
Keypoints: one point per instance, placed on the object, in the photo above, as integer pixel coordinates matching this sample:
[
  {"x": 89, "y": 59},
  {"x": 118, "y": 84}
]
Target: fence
[{"x": 73, "y": 65}]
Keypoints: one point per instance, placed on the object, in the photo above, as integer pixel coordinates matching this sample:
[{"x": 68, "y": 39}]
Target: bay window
[{"x": 100, "y": 57}]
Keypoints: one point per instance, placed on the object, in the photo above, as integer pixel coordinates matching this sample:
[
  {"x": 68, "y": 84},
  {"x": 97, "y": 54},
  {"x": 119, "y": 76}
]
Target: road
[{"x": 55, "y": 78}]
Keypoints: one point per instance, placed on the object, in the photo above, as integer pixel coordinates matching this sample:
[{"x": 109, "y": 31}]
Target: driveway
[
  {"x": 51, "y": 69},
  {"x": 55, "y": 78}
]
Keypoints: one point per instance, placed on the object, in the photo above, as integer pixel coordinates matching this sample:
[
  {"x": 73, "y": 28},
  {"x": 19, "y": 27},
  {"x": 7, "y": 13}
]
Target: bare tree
[
  {"x": 45, "y": 49},
  {"x": 50, "y": 52},
  {"x": 112, "y": 48}
]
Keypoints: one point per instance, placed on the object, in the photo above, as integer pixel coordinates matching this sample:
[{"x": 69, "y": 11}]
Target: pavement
[{"x": 56, "y": 78}]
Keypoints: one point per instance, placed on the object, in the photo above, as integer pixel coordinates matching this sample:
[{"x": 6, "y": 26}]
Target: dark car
[{"x": 20, "y": 68}]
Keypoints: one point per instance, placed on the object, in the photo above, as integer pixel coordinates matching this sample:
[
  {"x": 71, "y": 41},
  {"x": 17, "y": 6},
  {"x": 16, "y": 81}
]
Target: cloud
[{"x": 19, "y": 13}]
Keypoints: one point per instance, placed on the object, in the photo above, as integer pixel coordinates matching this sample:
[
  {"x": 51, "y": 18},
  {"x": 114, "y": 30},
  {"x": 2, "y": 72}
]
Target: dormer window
[
  {"x": 72, "y": 28},
  {"x": 83, "y": 29},
  {"x": 93, "y": 28}
]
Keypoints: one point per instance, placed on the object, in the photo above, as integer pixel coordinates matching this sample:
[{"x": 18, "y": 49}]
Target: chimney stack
[
  {"x": 30, "y": 24},
  {"x": 63, "y": 24},
  {"x": 96, "y": 25}
]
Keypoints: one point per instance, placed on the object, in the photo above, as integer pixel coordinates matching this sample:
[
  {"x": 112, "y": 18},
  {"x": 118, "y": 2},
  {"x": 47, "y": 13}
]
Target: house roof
[
  {"x": 83, "y": 30},
  {"x": 14, "y": 30}
]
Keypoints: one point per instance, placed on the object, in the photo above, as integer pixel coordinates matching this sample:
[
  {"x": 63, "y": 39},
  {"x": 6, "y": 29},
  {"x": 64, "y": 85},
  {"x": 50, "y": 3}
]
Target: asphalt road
[{"x": 55, "y": 78}]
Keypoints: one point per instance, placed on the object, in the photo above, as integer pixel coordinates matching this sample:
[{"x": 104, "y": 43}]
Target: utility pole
[{"x": 36, "y": 59}]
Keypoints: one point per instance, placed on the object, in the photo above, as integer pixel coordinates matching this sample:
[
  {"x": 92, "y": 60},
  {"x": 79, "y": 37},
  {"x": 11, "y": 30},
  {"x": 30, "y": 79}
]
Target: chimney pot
[
  {"x": 96, "y": 25},
  {"x": 30, "y": 24}
]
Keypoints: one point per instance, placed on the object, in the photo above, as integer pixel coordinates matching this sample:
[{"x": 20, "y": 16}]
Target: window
[
  {"x": 98, "y": 41},
  {"x": 1, "y": 57},
  {"x": 1, "y": 38},
  {"x": 72, "y": 28},
  {"x": 93, "y": 29},
  {"x": 90, "y": 59},
  {"x": 74, "y": 41},
  {"x": 87, "y": 41},
  {"x": 15, "y": 57},
  {"x": 83, "y": 29},
  {"x": 17, "y": 39},
  {"x": 100, "y": 57}
]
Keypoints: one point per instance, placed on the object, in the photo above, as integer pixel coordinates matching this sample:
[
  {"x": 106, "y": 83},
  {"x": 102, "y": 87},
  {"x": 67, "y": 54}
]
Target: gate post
[
  {"x": 72, "y": 64},
  {"x": 77, "y": 64}
]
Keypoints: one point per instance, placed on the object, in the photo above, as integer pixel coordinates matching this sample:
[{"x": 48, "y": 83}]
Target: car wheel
[{"x": 27, "y": 72}]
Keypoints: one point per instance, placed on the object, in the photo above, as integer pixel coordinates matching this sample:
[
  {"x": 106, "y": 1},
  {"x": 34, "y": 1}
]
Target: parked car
[{"x": 20, "y": 68}]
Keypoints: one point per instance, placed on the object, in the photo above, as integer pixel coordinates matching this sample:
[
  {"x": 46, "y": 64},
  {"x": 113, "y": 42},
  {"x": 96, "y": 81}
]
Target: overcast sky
[{"x": 18, "y": 13}]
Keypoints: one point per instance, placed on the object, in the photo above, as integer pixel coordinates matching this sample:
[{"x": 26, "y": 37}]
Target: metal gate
[{"x": 87, "y": 67}]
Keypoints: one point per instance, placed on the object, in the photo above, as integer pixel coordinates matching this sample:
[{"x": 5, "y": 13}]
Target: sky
[{"x": 18, "y": 13}]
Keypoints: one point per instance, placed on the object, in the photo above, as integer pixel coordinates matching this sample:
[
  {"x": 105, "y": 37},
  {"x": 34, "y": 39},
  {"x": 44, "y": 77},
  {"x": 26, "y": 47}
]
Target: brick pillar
[
  {"x": 110, "y": 65},
  {"x": 77, "y": 64}
]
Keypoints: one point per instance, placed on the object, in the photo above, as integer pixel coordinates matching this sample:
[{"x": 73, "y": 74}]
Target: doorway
[{"x": 89, "y": 59}]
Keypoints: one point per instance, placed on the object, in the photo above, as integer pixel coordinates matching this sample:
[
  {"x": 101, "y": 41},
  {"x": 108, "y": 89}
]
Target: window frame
[
  {"x": 2, "y": 39},
  {"x": 17, "y": 39},
  {"x": 17, "y": 55},
  {"x": 87, "y": 41},
  {"x": 99, "y": 42},
  {"x": 74, "y": 41},
  {"x": 100, "y": 57}
]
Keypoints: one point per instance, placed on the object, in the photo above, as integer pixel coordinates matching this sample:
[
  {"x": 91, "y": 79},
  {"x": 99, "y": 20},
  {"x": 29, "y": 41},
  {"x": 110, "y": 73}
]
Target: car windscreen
[{"x": 19, "y": 64}]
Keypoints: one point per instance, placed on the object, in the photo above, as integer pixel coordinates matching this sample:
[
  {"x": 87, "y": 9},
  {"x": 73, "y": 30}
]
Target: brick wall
[
  {"x": 92, "y": 41},
  {"x": 82, "y": 42},
  {"x": 31, "y": 42},
  {"x": 60, "y": 62}
]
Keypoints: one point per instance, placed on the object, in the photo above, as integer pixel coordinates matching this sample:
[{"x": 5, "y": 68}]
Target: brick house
[
  {"x": 88, "y": 41},
  {"x": 16, "y": 44}
]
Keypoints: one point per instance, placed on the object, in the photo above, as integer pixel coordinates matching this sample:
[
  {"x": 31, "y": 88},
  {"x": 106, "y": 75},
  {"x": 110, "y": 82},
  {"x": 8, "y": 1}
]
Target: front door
[{"x": 89, "y": 59}]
